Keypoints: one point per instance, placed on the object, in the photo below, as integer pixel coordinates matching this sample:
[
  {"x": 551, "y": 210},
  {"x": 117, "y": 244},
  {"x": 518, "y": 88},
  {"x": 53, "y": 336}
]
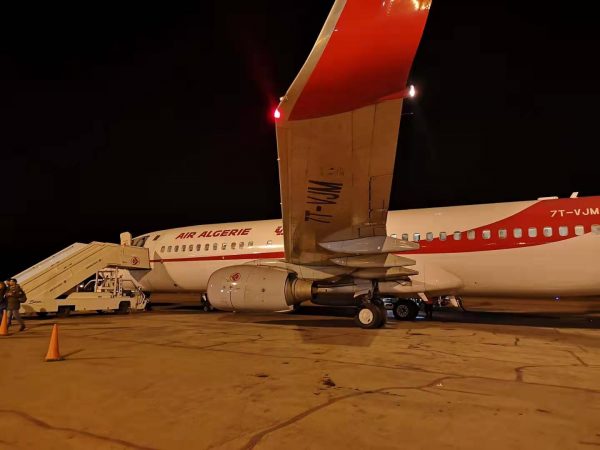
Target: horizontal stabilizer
[
  {"x": 370, "y": 245},
  {"x": 373, "y": 261}
]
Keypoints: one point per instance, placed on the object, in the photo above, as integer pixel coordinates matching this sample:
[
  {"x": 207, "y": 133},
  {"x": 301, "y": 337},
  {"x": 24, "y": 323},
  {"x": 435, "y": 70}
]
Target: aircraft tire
[
  {"x": 405, "y": 310},
  {"x": 382, "y": 311},
  {"x": 369, "y": 316}
]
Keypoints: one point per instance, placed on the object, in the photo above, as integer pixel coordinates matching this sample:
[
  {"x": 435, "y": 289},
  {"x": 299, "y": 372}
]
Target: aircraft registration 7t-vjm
[{"x": 548, "y": 247}]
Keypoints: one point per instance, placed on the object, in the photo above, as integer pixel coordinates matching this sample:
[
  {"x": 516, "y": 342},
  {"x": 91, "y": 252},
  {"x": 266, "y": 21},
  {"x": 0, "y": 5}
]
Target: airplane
[
  {"x": 548, "y": 247},
  {"x": 337, "y": 131}
]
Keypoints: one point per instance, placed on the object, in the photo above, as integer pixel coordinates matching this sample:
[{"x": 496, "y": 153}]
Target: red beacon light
[{"x": 276, "y": 113}]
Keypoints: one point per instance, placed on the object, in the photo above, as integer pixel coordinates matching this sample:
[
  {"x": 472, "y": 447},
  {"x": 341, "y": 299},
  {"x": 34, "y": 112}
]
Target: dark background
[{"x": 141, "y": 118}]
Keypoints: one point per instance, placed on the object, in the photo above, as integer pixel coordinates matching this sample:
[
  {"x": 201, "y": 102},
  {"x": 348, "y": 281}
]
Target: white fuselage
[{"x": 533, "y": 248}]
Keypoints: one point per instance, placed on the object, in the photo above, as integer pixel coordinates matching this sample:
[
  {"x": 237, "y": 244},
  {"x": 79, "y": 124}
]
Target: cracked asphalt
[{"x": 180, "y": 378}]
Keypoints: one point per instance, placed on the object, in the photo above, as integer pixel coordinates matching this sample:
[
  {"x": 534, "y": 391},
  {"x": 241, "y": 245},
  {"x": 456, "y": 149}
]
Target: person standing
[
  {"x": 14, "y": 297},
  {"x": 429, "y": 310}
]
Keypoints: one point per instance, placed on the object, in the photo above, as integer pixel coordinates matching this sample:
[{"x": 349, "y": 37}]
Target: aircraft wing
[{"x": 337, "y": 130}]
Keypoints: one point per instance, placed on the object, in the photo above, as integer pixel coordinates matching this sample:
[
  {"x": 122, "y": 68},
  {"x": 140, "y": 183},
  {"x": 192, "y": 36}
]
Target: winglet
[{"x": 345, "y": 71}]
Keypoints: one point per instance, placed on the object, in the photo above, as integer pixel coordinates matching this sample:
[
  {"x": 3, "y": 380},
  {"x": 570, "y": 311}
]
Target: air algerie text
[{"x": 215, "y": 233}]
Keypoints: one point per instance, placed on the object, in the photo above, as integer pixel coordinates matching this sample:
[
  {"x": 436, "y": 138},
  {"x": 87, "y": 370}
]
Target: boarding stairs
[{"x": 58, "y": 275}]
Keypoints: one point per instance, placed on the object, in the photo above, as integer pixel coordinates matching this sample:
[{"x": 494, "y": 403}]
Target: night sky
[{"x": 136, "y": 118}]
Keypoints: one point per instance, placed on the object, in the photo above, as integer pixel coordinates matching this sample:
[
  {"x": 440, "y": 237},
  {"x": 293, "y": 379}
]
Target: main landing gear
[
  {"x": 371, "y": 314},
  {"x": 405, "y": 310}
]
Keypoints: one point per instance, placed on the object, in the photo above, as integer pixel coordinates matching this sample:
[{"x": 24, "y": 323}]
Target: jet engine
[{"x": 256, "y": 288}]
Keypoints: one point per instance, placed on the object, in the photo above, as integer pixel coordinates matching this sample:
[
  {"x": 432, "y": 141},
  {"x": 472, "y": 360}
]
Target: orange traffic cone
[
  {"x": 53, "y": 354},
  {"x": 4, "y": 324}
]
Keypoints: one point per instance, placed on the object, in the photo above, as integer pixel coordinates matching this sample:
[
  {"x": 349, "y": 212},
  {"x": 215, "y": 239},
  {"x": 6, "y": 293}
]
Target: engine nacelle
[{"x": 256, "y": 288}]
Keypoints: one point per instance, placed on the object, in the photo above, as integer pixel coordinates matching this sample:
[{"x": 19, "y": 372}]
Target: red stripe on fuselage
[
  {"x": 583, "y": 211},
  {"x": 269, "y": 255}
]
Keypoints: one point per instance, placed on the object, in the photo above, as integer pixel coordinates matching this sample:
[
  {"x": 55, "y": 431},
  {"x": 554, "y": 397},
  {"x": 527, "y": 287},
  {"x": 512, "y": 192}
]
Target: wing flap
[
  {"x": 374, "y": 261},
  {"x": 392, "y": 273},
  {"x": 370, "y": 245}
]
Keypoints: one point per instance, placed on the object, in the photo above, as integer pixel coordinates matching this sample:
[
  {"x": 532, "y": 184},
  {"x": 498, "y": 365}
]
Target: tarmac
[{"x": 177, "y": 377}]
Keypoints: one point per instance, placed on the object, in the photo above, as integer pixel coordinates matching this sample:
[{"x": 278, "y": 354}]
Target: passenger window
[
  {"x": 156, "y": 237},
  {"x": 471, "y": 235},
  {"x": 443, "y": 236},
  {"x": 596, "y": 229},
  {"x": 429, "y": 236},
  {"x": 191, "y": 249},
  {"x": 563, "y": 231},
  {"x": 269, "y": 242},
  {"x": 518, "y": 233},
  {"x": 417, "y": 237},
  {"x": 176, "y": 248},
  {"x": 532, "y": 232},
  {"x": 486, "y": 234},
  {"x": 579, "y": 230},
  {"x": 405, "y": 236},
  {"x": 251, "y": 244},
  {"x": 457, "y": 235},
  {"x": 233, "y": 246},
  {"x": 394, "y": 235},
  {"x": 198, "y": 247},
  {"x": 223, "y": 246},
  {"x": 502, "y": 234},
  {"x": 206, "y": 247},
  {"x": 548, "y": 231},
  {"x": 215, "y": 246},
  {"x": 162, "y": 249},
  {"x": 169, "y": 249},
  {"x": 241, "y": 245}
]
